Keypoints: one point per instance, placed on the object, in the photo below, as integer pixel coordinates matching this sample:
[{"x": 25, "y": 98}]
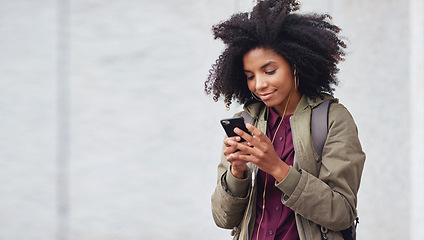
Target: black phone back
[{"x": 230, "y": 123}]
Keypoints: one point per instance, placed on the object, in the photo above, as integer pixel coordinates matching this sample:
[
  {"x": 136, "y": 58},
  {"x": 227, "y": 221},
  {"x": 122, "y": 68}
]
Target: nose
[{"x": 261, "y": 83}]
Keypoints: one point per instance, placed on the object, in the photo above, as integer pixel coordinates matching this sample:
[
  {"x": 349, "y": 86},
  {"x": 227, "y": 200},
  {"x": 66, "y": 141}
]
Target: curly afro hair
[{"x": 308, "y": 41}]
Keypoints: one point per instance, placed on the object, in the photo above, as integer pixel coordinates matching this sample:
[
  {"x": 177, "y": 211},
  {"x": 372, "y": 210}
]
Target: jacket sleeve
[
  {"x": 230, "y": 197},
  {"x": 330, "y": 200}
]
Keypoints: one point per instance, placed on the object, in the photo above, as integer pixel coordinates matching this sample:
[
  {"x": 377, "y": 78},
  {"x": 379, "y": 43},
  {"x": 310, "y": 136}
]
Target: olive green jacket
[{"x": 322, "y": 192}]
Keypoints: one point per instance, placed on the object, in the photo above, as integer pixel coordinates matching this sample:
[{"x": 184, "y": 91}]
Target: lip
[{"x": 265, "y": 96}]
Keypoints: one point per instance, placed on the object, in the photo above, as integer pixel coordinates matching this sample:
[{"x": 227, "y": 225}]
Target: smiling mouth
[{"x": 265, "y": 96}]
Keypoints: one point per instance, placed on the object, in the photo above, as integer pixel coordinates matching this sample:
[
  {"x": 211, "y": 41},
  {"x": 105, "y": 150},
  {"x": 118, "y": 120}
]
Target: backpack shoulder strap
[
  {"x": 319, "y": 131},
  {"x": 319, "y": 125},
  {"x": 247, "y": 117}
]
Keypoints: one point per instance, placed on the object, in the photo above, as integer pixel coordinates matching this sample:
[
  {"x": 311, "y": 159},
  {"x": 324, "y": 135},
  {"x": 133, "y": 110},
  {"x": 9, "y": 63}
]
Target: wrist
[
  {"x": 281, "y": 172},
  {"x": 237, "y": 173}
]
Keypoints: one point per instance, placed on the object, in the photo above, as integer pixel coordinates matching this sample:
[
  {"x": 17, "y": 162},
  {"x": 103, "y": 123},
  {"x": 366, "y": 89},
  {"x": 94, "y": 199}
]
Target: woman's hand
[
  {"x": 237, "y": 166},
  {"x": 257, "y": 149}
]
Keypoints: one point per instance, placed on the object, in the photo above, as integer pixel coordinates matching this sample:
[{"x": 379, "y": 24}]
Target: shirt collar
[{"x": 274, "y": 119}]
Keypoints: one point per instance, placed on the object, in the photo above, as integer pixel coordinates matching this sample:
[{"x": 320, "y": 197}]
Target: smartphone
[{"x": 230, "y": 123}]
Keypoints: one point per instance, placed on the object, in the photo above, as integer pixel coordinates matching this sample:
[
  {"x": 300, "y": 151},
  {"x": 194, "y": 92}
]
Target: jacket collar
[
  {"x": 322, "y": 98},
  {"x": 306, "y": 102},
  {"x": 256, "y": 109}
]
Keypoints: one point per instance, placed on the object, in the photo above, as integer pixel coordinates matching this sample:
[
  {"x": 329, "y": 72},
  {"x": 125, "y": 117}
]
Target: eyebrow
[{"x": 264, "y": 66}]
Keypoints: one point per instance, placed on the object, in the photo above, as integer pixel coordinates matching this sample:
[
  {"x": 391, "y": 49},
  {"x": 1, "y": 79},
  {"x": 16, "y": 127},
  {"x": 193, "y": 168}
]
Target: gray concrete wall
[{"x": 106, "y": 132}]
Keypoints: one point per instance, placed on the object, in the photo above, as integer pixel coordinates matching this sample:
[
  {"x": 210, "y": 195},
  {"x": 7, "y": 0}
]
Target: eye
[
  {"x": 250, "y": 77},
  {"x": 271, "y": 72}
]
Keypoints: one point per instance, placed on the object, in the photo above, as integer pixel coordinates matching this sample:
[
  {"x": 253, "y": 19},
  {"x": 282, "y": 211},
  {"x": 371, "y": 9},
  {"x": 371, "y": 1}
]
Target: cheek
[
  {"x": 251, "y": 85},
  {"x": 286, "y": 81}
]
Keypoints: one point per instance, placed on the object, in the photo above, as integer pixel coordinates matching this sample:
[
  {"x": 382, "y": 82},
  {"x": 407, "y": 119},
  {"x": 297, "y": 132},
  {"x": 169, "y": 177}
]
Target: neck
[{"x": 289, "y": 105}]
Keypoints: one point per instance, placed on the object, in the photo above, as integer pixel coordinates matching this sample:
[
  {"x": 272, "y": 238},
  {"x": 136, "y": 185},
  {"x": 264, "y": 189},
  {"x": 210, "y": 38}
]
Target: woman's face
[{"x": 270, "y": 77}]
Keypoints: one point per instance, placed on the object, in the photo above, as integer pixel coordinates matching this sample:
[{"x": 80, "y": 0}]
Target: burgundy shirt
[{"x": 278, "y": 221}]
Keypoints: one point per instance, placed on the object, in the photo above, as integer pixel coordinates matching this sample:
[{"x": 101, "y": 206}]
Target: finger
[
  {"x": 235, "y": 157},
  {"x": 256, "y": 132},
  {"x": 236, "y": 138},
  {"x": 233, "y": 146},
  {"x": 229, "y": 150},
  {"x": 246, "y": 136},
  {"x": 241, "y": 157},
  {"x": 245, "y": 149},
  {"x": 227, "y": 140},
  {"x": 257, "y": 140},
  {"x": 242, "y": 149},
  {"x": 232, "y": 143}
]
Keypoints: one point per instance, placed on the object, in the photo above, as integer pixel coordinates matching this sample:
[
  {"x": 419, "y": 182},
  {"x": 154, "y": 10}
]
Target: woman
[{"x": 281, "y": 65}]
